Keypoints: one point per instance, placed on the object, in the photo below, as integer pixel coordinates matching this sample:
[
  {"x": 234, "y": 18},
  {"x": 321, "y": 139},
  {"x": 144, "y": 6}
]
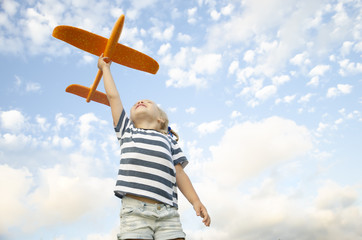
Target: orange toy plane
[{"x": 97, "y": 45}]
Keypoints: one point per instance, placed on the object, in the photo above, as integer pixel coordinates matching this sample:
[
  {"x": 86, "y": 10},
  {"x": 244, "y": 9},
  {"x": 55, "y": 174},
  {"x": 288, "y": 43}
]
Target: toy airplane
[{"x": 110, "y": 48}]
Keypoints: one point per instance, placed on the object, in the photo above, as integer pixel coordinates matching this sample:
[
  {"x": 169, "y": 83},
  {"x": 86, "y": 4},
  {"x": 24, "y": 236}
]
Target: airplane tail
[{"x": 83, "y": 91}]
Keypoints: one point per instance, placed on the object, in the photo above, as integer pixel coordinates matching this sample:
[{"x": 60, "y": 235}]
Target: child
[{"x": 150, "y": 171}]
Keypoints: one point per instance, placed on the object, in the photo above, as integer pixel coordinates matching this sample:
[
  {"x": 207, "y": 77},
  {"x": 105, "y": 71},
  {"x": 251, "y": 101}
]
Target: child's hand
[
  {"x": 103, "y": 62},
  {"x": 201, "y": 211}
]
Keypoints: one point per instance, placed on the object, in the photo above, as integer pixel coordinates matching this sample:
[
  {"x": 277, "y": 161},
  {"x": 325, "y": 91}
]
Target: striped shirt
[{"x": 148, "y": 160}]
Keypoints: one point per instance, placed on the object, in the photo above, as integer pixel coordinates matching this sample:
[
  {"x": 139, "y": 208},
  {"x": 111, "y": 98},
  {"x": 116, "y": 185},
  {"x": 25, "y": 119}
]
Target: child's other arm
[
  {"x": 185, "y": 185},
  {"x": 111, "y": 90}
]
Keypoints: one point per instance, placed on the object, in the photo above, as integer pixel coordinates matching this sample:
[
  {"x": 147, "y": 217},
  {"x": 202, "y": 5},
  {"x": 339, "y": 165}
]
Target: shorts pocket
[{"x": 127, "y": 211}]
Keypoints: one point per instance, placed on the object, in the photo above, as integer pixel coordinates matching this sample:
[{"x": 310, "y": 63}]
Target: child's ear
[{"x": 161, "y": 120}]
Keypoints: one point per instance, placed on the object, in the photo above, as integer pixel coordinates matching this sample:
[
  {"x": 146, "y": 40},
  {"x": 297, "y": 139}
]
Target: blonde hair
[{"x": 164, "y": 125}]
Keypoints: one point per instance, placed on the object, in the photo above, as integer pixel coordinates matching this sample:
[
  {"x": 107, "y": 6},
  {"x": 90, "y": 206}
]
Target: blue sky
[{"x": 265, "y": 95}]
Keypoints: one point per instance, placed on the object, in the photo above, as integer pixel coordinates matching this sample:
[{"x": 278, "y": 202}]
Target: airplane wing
[
  {"x": 83, "y": 91},
  {"x": 96, "y": 45}
]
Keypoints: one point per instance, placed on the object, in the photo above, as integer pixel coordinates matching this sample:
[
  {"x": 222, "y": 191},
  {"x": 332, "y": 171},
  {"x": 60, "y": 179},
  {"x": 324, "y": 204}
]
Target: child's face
[{"x": 145, "y": 110}]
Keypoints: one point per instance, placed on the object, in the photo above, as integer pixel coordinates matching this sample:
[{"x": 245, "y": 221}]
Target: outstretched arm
[
  {"x": 114, "y": 99},
  {"x": 185, "y": 185}
]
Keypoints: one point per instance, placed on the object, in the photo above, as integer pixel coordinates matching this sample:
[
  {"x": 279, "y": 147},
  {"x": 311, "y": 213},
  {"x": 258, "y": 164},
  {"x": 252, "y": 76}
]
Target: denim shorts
[{"x": 140, "y": 220}]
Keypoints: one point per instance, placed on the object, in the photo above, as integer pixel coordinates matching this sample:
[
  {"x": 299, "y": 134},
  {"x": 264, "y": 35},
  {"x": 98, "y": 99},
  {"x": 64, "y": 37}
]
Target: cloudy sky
[{"x": 265, "y": 95}]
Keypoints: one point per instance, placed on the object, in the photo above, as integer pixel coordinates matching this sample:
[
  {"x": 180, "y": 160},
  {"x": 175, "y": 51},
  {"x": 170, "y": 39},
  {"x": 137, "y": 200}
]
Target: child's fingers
[
  {"x": 197, "y": 212},
  {"x": 206, "y": 218},
  {"x": 106, "y": 60},
  {"x": 202, "y": 212}
]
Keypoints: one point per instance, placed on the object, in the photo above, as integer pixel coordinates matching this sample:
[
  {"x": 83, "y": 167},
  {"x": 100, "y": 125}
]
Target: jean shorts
[{"x": 140, "y": 220}]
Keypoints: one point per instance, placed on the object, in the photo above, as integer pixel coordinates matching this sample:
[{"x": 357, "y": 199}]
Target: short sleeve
[
  {"x": 178, "y": 155},
  {"x": 123, "y": 123}
]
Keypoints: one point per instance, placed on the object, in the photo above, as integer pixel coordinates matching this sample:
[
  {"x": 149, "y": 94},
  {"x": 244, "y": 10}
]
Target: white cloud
[
  {"x": 47, "y": 205},
  {"x": 64, "y": 142},
  {"x": 249, "y": 56},
  {"x": 319, "y": 70},
  {"x": 253, "y": 103},
  {"x": 143, "y": 4},
  {"x": 10, "y": 7},
  {"x": 322, "y": 127},
  {"x": 235, "y": 114},
  {"x": 209, "y": 127},
  {"x": 33, "y": 87},
  {"x": 17, "y": 142},
  {"x": 85, "y": 124},
  {"x": 28, "y": 87},
  {"x": 334, "y": 196},
  {"x": 279, "y": 80},
  {"x": 137, "y": 6},
  {"x": 190, "y": 110},
  {"x": 207, "y": 64},
  {"x": 37, "y": 27},
  {"x": 12, "y": 120},
  {"x": 14, "y": 184},
  {"x": 295, "y": 214},
  {"x": 163, "y": 35},
  {"x": 191, "y": 15},
  {"x": 182, "y": 59},
  {"x": 244, "y": 74},
  {"x": 72, "y": 181},
  {"x": 266, "y": 92},
  {"x": 116, "y": 12},
  {"x": 314, "y": 81},
  {"x": 339, "y": 90},
  {"x": 233, "y": 67},
  {"x": 164, "y": 49},
  {"x": 172, "y": 109},
  {"x": 305, "y": 98},
  {"x": 358, "y": 47},
  {"x": 184, "y": 38},
  {"x": 42, "y": 122},
  {"x": 180, "y": 78},
  {"x": 18, "y": 81},
  {"x": 227, "y": 10},
  {"x": 215, "y": 15},
  {"x": 339, "y": 121},
  {"x": 344, "y": 88},
  {"x": 87, "y": 59},
  {"x": 188, "y": 65},
  {"x": 286, "y": 99},
  {"x": 252, "y": 147},
  {"x": 353, "y": 115},
  {"x": 289, "y": 99},
  {"x": 196, "y": 154},
  {"x": 34, "y": 196},
  {"x": 300, "y": 59},
  {"x": 348, "y": 67},
  {"x": 254, "y": 24},
  {"x": 346, "y": 48}
]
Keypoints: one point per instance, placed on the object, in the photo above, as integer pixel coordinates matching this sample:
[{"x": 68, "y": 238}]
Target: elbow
[{"x": 112, "y": 96}]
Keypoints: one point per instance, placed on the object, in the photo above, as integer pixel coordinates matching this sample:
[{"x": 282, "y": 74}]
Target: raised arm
[
  {"x": 114, "y": 99},
  {"x": 185, "y": 185}
]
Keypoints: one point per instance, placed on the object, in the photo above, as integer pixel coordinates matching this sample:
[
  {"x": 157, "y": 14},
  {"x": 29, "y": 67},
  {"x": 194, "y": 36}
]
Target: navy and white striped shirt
[{"x": 148, "y": 160}]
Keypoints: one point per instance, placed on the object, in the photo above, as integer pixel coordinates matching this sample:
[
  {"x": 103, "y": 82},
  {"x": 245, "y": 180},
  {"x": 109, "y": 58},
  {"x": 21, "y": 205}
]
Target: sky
[{"x": 264, "y": 94}]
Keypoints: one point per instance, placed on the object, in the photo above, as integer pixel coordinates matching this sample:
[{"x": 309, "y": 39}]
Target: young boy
[{"x": 151, "y": 169}]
